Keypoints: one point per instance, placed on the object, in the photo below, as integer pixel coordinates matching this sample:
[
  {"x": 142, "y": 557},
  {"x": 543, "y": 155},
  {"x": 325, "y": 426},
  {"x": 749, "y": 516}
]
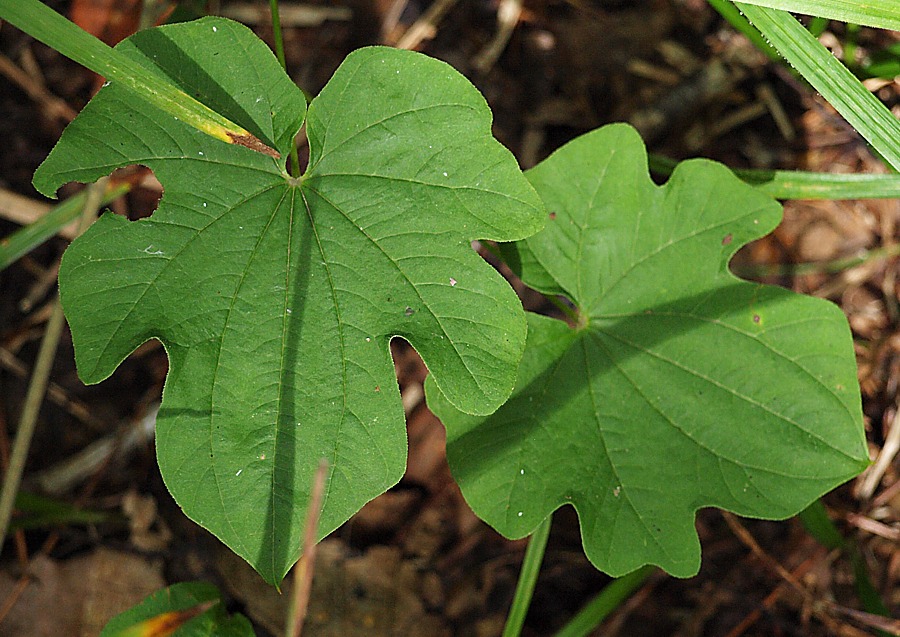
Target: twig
[
  {"x": 392, "y": 19},
  {"x": 883, "y": 461},
  {"x": 874, "y": 527},
  {"x": 291, "y": 14},
  {"x": 24, "y": 210},
  {"x": 38, "y": 385},
  {"x": 55, "y": 393},
  {"x": 61, "y": 477},
  {"x": 822, "y": 609},
  {"x": 51, "y": 105},
  {"x": 425, "y": 27},
  {"x": 753, "y": 616},
  {"x": 508, "y": 13},
  {"x": 303, "y": 570},
  {"x": 750, "y": 542}
]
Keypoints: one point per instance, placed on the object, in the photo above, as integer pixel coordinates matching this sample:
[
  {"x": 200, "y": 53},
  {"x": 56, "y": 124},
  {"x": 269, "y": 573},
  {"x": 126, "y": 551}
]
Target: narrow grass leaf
[
  {"x": 799, "y": 184},
  {"x": 833, "y": 80},
  {"x": 883, "y": 14},
  {"x": 27, "y": 238},
  {"x": 46, "y": 25}
]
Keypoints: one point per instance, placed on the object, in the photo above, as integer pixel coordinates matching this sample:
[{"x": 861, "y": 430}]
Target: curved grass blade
[{"x": 832, "y": 79}]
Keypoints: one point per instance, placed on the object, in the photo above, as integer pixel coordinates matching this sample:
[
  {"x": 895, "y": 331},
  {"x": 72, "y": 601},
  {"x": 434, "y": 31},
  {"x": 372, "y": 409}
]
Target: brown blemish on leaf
[
  {"x": 727, "y": 239},
  {"x": 253, "y": 143},
  {"x": 756, "y": 319},
  {"x": 552, "y": 216}
]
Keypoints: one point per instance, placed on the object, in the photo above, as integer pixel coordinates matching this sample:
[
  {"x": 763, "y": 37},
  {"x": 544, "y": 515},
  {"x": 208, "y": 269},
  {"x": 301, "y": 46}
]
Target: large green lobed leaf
[
  {"x": 275, "y": 297},
  {"x": 683, "y": 387}
]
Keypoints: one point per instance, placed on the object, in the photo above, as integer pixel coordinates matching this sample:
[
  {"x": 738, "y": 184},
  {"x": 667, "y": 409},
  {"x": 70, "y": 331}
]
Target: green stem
[
  {"x": 29, "y": 237},
  {"x": 279, "y": 52},
  {"x": 276, "y": 31},
  {"x": 605, "y": 602},
  {"x": 742, "y": 25},
  {"x": 44, "y": 24},
  {"x": 796, "y": 184},
  {"x": 531, "y": 565},
  {"x": 38, "y": 385}
]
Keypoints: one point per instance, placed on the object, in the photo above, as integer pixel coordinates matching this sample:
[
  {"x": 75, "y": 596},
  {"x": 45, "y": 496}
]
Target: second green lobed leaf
[{"x": 679, "y": 387}]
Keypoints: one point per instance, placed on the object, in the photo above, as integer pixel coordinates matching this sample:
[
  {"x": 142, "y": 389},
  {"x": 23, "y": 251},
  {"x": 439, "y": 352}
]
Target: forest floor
[{"x": 416, "y": 561}]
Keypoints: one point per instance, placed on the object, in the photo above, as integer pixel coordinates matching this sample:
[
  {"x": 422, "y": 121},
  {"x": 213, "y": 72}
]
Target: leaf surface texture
[{"x": 276, "y": 298}]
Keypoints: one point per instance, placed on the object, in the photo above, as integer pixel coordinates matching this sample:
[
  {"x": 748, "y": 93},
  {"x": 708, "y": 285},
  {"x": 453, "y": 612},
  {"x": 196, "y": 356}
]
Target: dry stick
[
  {"x": 884, "y": 460},
  {"x": 751, "y": 618},
  {"x": 38, "y": 385},
  {"x": 392, "y": 19},
  {"x": 303, "y": 570},
  {"x": 55, "y": 393},
  {"x": 508, "y": 13},
  {"x": 50, "y": 104},
  {"x": 50, "y": 543},
  {"x": 750, "y": 542},
  {"x": 21, "y": 545},
  {"x": 823, "y": 609},
  {"x": 14, "y": 596},
  {"x": 425, "y": 27}
]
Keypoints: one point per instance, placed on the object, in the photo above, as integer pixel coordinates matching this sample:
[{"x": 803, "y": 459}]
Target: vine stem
[
  {"x": 531, "y": 565},
  {"x": 37, "y": 387},
  {"x": 279, "y": 53}
]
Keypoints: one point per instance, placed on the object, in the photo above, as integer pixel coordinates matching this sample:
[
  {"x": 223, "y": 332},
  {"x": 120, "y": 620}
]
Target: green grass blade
[
  {"x": 884, "y": 14},
  {"x": 831, "y": 78},
  {"x": 40, "y": 512},
  {"x": 740, "y": 24},
  {"x": 27, "y": 238},
  {"x": 531, "y": 566},
  {"x": 44, "y": 24},
  {"x": 604, "y": 603},
  {"x": 796, "y": 184},
  {"x": 817, "y": 523}
]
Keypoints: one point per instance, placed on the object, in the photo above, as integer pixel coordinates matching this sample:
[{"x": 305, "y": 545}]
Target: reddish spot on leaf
[
  {"x": 166, "y": 624},
  {"x": 253, "y": 143},
  {"x": 727, "y": 239},
  {"x": 552, "y": 215},
  {"x": 756, "y": 318}
]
